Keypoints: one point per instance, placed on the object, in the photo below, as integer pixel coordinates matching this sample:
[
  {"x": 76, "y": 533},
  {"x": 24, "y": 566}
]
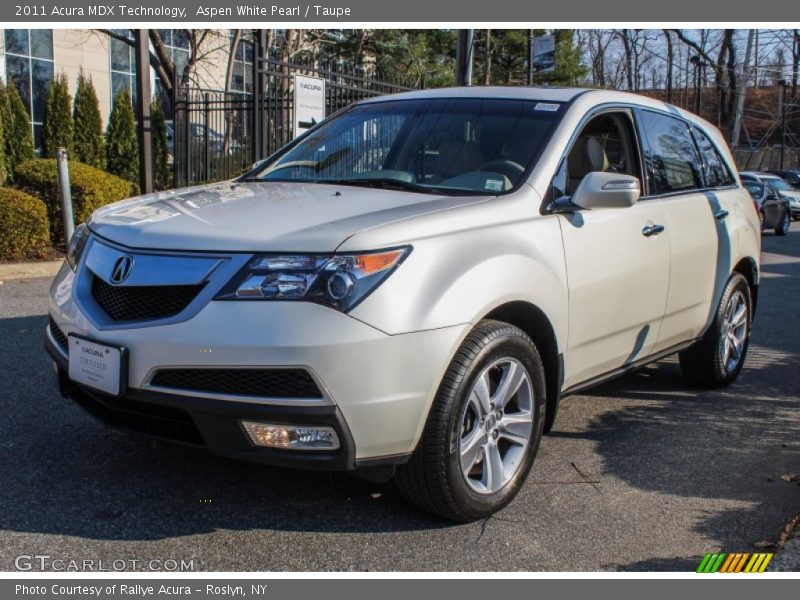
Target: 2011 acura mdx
[{"x": 410, "y": 287}]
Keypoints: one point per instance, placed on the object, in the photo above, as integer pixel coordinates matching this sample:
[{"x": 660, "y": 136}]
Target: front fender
[{"x": 460, "y": 277}]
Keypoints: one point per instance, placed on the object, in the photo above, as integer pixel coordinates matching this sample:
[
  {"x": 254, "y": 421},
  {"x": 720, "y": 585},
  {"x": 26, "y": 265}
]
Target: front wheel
[
  {"x": 782, "y": 228},
  {"x": 716, "y": 359},
  {"x": 484, "y": 427}
]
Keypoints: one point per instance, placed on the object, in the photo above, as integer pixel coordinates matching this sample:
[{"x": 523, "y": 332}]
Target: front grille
[
  {"x": 58, "y": 335},
  {"x": 263, "y": 383},
  {"x": 142, "y": 302}
]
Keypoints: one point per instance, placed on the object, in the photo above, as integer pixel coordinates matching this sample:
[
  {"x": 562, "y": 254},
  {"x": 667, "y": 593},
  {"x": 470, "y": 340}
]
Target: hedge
[
  {"x": 91, "y": 189},
  {"x": 24, "y": 226}
]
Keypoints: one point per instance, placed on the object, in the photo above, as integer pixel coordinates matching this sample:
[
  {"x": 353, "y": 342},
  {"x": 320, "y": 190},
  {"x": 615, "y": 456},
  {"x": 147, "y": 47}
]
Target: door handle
[
  {"x": 720, "y": 214},
  {"x": 652, "y": 230}
]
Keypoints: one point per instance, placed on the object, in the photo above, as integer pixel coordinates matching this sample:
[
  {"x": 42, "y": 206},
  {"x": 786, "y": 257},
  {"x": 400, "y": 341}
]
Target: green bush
[
  {"x": 89, "y": 145},
  {"x": 57, "y": 124},
  {"x": 158, "y": 127},
  {"x": 122, "y": 146},
  {"x": 91, "y": 189},
  {"x": 24, "y": 227},
  {"x": 17, "y": 134}
]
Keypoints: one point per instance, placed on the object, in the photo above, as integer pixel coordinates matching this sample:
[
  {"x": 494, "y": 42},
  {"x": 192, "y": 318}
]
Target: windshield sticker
[
  {"x": 548, "y": 106},
  {"x": 495, "y": 185}
]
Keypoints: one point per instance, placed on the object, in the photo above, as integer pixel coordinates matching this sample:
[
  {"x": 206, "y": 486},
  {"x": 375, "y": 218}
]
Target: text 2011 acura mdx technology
[{"x": 411, "y": 286}]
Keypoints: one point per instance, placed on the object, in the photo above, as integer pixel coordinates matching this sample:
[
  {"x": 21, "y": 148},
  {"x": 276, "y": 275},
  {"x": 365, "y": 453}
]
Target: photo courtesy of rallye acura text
[{"x": 408, "y": 289}]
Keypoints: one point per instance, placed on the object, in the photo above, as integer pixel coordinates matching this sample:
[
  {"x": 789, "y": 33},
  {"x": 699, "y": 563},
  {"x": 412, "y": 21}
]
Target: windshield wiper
[{"x": 384, "y": 184}]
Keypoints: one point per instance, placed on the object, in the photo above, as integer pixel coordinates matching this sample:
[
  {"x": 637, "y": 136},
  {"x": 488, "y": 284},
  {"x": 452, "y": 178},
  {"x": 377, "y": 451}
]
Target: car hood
[
  {"x": 792, "y": 195},
  {"x": 260, "y": 216}
]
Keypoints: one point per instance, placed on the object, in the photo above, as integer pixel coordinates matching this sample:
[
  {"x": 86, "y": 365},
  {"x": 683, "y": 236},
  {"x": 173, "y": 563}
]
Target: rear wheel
[
  {"x": 484, "y": 427},
  {"x": 716, "y": 359},
  {"x": 762, "y": 219},
  {"x": 782, "y": 228}
]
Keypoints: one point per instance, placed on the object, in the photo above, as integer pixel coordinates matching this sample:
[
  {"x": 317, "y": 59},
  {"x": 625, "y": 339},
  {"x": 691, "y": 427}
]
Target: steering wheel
[{"x": 509, "y": 168}]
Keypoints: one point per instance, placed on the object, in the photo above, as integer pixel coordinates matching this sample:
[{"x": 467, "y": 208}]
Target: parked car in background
[
  {"x": 784, "y": 189},
  {"x": 773, "y": 209},
  {"x": 410, "y": 287},
  {"x": 790, "y": 177}
]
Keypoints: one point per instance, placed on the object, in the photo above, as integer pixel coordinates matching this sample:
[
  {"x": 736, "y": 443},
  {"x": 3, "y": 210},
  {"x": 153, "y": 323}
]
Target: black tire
[
  {"x": 762, "y": 219},
  {"x": 782, "y": 228},
  {"x": 703, "y": 363},
  {"x": 433, "y": 479}
]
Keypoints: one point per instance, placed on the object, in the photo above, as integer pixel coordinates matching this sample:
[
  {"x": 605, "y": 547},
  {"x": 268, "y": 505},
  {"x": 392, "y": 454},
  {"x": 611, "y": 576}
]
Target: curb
[{"x": 30, "y": 270}]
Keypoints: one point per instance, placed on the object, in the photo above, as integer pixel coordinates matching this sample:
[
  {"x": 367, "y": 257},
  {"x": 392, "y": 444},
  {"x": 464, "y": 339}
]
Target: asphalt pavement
[{"x": 643, "y": 473}]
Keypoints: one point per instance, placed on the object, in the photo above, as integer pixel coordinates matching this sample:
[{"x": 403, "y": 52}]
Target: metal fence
[
  {"x": 213, "y": 135},
  {"x": 766, "y": 158}
]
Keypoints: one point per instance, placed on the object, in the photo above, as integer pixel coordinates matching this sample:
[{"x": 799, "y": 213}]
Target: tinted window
[
  {"x": 779, "y": 184},
  {"x": 716, "y": 173},
  {"x": 17, "y": 41},
  {"x": 673, "y": 164},
  {"x": 42, "y": 43},
  {"x": 756, "y": 189}
]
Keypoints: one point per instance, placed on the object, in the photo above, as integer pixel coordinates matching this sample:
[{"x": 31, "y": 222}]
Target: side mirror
[
  {"x": 257, "y": 164},
  {"x": 607, "y": 190}
]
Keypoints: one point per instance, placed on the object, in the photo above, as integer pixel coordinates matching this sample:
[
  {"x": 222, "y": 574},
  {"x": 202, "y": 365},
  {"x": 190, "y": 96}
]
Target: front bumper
[{"x": 377, "y": 388}]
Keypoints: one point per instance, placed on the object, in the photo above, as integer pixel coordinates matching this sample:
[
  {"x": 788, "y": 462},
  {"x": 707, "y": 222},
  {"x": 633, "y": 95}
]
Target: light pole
[
  {"x": 464, "y": 57},
  {"x": 530, "y": 56}
]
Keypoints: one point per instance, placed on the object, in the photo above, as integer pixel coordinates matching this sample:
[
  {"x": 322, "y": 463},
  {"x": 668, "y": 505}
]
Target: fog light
[{"x": 292, "y": 437}]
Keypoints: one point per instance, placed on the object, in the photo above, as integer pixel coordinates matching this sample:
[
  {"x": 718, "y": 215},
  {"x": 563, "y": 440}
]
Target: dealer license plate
[{"x": 95, "y": 365}]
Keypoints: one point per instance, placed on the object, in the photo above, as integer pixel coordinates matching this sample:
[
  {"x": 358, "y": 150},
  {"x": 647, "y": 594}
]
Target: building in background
[{"x": 32, "y": 57}]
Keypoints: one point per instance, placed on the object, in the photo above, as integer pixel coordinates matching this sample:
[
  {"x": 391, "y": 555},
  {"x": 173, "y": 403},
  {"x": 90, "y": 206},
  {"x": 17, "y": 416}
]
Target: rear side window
[
  {"x": 714, "y": 168},
  {"x": 673, "y": 164}
]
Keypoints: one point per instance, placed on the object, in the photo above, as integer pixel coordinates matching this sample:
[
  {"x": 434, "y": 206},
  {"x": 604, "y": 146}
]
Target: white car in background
[{"x": 412, "y": 286}]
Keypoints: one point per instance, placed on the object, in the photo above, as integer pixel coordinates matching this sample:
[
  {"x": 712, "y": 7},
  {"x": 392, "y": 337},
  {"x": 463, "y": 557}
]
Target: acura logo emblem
[{"x": 122, "y": 268}]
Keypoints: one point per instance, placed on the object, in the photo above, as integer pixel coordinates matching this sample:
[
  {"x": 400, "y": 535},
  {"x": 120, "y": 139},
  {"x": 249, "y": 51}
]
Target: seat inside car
[
  {"x": 586, "y": 157},
  {"x": 457, "y": 155}
]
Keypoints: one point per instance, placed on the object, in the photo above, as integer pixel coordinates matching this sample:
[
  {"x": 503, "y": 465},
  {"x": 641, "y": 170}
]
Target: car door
[
  {"x": 689, "y": 179},
  {"x": 617, "y": 258},
  {"x": 772, "y": 206}
]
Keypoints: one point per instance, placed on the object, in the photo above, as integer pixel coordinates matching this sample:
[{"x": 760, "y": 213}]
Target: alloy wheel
[
  {"x": 734, "y": 331},
  {"x": 496, "y": 425}
]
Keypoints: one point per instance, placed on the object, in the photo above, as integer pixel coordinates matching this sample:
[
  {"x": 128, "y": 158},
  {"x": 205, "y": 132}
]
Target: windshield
[
  {"x": 780, "y": 184},
  {"x": 445, "y": 146}
]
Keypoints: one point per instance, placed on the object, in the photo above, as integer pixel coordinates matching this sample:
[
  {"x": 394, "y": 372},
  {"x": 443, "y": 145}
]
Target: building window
[
  {"x": 242, "y": 80},
  {"x": 123, "y": 65},
  {"x": 29, "y": 64},
  {"x": 177, "y": 42}
]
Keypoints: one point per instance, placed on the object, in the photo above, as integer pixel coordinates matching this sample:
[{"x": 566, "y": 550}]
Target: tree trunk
[
  {"x": 487, "y": 68},
  {"x": 670, "y": 59},
  {"x": 626, "y": 43},
  {"x": 237, "y": 36}
]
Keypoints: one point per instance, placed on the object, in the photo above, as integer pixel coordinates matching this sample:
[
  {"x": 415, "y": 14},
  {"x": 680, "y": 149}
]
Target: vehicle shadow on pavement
[
  {"x": 64, "y": 473},
  {"x": 729, "y": 445}
]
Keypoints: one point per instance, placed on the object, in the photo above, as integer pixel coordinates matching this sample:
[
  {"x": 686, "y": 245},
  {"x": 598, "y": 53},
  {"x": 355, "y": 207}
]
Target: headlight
[
  {"x": 339, "y": 280},
  {"x": 76, "y": 245}
]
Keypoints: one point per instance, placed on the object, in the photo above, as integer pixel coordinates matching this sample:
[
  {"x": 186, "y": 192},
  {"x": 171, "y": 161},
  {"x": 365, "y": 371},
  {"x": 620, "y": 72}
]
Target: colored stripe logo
[{"x": 736, "y": 562}]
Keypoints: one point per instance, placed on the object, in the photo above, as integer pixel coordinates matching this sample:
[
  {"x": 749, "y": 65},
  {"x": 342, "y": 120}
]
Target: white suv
[{"x": 412, "y": 286}]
